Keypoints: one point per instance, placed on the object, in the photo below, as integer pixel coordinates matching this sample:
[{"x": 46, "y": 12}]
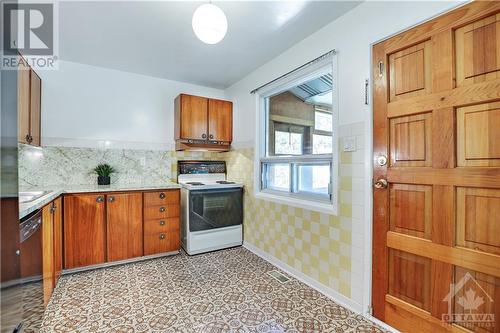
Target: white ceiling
[{"x": 155, "y": 38}]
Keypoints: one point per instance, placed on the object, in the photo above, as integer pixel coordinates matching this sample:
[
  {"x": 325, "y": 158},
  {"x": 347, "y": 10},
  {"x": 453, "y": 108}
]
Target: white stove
[{"x": 211, "y": 207}]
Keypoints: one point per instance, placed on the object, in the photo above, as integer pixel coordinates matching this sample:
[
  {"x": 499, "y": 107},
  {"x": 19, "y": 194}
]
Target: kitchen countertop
[{"x": 29, "y": 207}]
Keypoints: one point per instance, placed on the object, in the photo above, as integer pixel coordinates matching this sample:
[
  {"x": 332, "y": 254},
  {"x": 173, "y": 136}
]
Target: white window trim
[{"x": 306, "y": 74}]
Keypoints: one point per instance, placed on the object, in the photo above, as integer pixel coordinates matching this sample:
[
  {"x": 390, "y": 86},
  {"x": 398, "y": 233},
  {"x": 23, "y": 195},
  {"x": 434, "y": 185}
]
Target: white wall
[
  {"x": 87, "y": 106},
  {"x": 352, "y": 35}
]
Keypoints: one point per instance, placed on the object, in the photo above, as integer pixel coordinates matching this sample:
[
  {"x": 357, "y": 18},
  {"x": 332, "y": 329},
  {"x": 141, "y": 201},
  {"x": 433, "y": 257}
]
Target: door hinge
[{"x": 380, "y": 68}]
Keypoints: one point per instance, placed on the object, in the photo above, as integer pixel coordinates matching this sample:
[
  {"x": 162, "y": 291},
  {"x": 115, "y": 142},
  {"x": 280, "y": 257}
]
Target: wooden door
[
  {"x": 23, "y": 102},
  {"x": 58, "y": 239},
  {"x": 35, "y": 109},
  {"x": 220, "y": 120},
  {"x": 124, "y": 220},
  {"x": 47, "y": 252},
  {"x": 84, "y": 230},
  {"x": 436, "y": 232},
  {"x": 191, "y": 117}
]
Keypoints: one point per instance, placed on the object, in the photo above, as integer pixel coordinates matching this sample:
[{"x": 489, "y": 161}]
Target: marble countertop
[{"x": 52, "y": 193}]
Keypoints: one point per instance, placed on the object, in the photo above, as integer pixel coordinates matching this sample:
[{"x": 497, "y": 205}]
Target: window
[{"x": 297, "y": 129}]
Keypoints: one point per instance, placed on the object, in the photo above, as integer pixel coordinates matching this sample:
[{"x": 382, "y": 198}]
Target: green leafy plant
[{"x": 104, "y": 170}]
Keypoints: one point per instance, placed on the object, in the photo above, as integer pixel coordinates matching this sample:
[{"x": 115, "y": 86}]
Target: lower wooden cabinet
[
  {"x": 84, "y": 230},
  {"x": 161, "y": 235},
  {"x": 161, "y": 222},
  {"x": 114, "y": 226},
  {"x": 124, "y": 221},
  {"x": 51, "y": 246}
]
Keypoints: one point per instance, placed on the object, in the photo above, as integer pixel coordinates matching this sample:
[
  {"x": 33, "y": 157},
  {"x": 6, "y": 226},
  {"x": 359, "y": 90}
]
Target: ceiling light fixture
[{"x": 209, "y": 23}]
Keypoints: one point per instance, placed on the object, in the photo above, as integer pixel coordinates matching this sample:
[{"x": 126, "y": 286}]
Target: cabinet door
[
  {"x": 84, "y": 230},
  {"x": 23, "y": 102},
  {"x": 193, "y": 117},
  {"x": 220, "y": 120},
  {"x": 35, "y": 110},
  {"x": 58, "y": 239},
  {"x": 47, "y": 252},
  {"x": 124, "y": 219}
]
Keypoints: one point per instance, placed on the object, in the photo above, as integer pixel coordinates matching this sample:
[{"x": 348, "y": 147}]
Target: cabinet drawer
[
  {"x": 161, "y": 198},
  {"x": 161, "y": 212},
  {"x": 161, "y": 225},
  {"x": 159, "y": 242}
]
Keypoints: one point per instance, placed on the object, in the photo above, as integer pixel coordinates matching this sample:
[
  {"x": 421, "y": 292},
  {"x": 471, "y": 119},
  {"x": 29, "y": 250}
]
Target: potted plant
[{"x": 103, "y": 172}]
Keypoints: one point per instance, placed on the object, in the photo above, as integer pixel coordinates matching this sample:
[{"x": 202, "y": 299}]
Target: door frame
[{"x": 368, "y": 228}]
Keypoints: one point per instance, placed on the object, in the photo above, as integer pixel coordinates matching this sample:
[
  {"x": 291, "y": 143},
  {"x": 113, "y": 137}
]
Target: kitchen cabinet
[
  {"x": 220, "y": 120},
  {"x": 84, "y": 230},
  {"x": 58, "y": 239},
  {"x": 161, "y": 222},
  {"x": 113, "y": 226},
  {"x": 124, "y": 222},
  {"x": 203, "y": 123},
  {"x": 29, "y": 87},
  {"x": 51, "y": 247}
]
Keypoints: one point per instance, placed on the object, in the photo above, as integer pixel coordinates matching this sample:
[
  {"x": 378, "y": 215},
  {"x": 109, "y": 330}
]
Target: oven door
[{"x": 215, "y": 208}]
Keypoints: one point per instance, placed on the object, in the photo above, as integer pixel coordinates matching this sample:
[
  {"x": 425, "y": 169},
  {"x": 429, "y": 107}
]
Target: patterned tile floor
[{"x": 224, "y": 291}]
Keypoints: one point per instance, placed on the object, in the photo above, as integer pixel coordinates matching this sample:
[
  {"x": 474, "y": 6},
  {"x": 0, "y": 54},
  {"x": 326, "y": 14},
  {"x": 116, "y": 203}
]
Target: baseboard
[
  {"x": 381, "y": 323},
  {"x": 329, "y": 292}
]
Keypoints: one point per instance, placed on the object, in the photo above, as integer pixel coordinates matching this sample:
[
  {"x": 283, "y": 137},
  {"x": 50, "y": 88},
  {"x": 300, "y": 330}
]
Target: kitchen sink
[{"x": 29, "y": 196}]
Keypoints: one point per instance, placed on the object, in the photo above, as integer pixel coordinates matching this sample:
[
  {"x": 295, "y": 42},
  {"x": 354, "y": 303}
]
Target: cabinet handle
[
  {"x": 162, "y": 209},
  {"x": 162, "y": 195},
  {"x": 100, "y": 199},
  {"x": 111, "y": 199},
  {"x": 211, "y": 136},
  {"x": 162, "y": 236},
  {"x": 162, "y": 222},
  {"x": 204, "y": 136}
]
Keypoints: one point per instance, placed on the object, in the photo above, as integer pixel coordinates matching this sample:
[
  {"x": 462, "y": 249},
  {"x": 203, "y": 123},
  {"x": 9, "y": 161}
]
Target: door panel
[
  {"x": 124, "y": 220},
  {"x": 411, "y": 209},
  {"x": 411, "y": 140},
  {"x": 409, "y": 278},
  {"x": 437, "y": 119},
  {"x": 410, "y": 71},
  {"x": 84, "y": 230},
  {"x": 477, "y": 45},
  {"x": 220, "y": 120},
  {"x": 193, "y": 117},
  {"x": 478, "y": 135}
]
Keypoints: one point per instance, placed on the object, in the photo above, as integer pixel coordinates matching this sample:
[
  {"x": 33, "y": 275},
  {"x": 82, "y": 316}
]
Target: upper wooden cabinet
[
  {"x": 203, "y": 123},
  {"x": 220, "y": 120},
  {"x": 29, "y": 88}
]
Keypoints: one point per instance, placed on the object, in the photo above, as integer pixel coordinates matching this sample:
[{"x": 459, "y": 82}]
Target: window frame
[{"x": 308, "y": 201}]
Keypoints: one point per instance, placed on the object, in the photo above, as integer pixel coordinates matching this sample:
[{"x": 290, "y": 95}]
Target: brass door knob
[
  {"x": 381, "y": 160},
  {"x": 381, "y": 183}
]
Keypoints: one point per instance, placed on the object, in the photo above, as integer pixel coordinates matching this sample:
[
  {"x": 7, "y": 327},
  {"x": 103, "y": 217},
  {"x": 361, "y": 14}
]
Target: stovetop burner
[
  {"x": 224, "y": 182},
  {"x": 195, "y": 183}
]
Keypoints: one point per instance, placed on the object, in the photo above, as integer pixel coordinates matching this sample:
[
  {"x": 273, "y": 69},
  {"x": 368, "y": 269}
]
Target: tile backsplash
[{"x": 54, "y": 166}]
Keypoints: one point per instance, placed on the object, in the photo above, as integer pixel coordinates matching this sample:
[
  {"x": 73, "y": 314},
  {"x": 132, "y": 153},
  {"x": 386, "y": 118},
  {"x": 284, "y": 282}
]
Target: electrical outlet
[
  {"x": 349, "y": 143},
  {"x": 142, "y": 161}
]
